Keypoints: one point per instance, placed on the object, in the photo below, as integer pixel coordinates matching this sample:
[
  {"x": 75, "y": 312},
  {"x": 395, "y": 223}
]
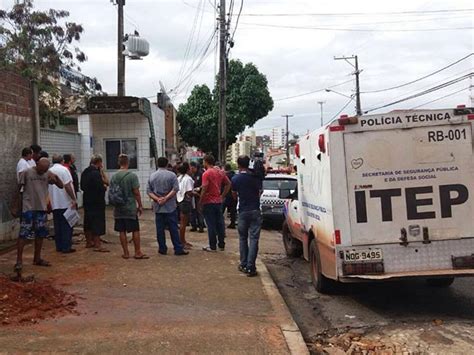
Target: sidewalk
[{"x": 198, "y": 303}]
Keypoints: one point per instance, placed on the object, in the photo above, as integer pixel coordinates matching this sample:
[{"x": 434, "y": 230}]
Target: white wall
[
  {"x": 130, "y": 126},
  {"x": 159, "y": 124}
]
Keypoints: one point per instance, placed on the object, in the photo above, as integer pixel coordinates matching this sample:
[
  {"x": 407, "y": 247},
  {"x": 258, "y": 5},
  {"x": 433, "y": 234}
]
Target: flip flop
[
  {"x": 102, "y": 250},
  {"x": 42, "y": 262},
  {"x": 141, "y": 257}
]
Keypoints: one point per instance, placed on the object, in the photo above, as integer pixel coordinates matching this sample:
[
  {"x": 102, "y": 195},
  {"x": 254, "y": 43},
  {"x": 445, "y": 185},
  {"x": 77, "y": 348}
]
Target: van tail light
[
  {"x": 297, "y": 150},
  {"x": 345, "y": 120},
  {"x": 470, "y": 117},
  {"x": 337, "y": 236},
  {"x": 322, "y": 143}
]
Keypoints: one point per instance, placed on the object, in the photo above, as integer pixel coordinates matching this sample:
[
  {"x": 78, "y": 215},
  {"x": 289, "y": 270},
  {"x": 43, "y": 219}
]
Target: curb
[{"x": 291, "y": 331}]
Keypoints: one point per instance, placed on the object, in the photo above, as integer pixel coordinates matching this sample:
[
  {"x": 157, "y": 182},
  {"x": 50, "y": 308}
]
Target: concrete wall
[{"x": 16, "y": 132}]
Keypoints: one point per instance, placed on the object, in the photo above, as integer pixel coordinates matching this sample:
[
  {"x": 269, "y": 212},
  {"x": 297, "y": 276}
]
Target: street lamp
[{"x": 336, "y": 92}]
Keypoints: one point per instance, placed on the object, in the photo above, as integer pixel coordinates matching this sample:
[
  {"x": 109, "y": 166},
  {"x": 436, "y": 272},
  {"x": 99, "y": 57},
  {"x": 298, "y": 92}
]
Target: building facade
[{"x": 278, "y": 137}]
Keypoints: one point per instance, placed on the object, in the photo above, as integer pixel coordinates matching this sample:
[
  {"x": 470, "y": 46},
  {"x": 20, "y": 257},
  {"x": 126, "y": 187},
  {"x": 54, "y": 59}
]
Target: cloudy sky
[{"x": 396, "y": 42}]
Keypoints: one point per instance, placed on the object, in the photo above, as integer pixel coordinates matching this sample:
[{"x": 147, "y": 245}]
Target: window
[
  {"x": 115, "y": 147},
  {"x": 279, "y": 184}
]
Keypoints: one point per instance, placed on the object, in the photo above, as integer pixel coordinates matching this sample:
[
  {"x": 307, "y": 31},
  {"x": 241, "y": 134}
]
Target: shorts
[
  {"x": 185, "y": 207},
  {"x": 94, "y": 222},
  {"x": 34, "y": 224},
  {"x": 126, "y": 225}
]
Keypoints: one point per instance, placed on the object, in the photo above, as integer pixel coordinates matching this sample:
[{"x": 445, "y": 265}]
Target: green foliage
[
  {"x": 38, "y": 44},
  {"x": 248, "y": 100}
]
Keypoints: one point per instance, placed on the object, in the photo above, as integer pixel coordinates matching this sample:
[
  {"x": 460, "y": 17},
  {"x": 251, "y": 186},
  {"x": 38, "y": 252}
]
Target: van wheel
[
  {"x": 293, "y": 247},
  {"x": 440, "y": 282},
  {"x": 320, "y": 282}
]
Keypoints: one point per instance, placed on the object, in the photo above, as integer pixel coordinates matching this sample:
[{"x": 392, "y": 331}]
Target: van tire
[
  {"x": 440, "y": 282},
  {"x": 293, "y": 247},
  {"x": 320, "y": 282}
]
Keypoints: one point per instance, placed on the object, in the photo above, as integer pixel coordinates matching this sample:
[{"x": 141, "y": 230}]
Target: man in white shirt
[
  {"x": 25, "y": 162},
  {"x": 61, "y": 200}
]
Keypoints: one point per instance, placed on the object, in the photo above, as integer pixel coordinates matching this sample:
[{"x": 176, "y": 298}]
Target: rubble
[{"x": 29, "y": 302}]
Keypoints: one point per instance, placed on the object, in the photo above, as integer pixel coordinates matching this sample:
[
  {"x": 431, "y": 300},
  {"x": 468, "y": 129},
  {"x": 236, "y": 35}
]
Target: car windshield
[{"x": 279, "y": 184}]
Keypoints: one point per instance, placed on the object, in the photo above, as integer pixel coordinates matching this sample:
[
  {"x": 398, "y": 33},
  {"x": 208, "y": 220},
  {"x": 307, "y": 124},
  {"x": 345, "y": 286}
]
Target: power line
[
  {"x": 427, "y": 86},
  {"x": 237, "y": 21},
  {"x": 419, "y": 79},
  {"x": 189, "y": 42},
  {"x": 203, "y": 56},
  {"x": 440, "y": 98},
  {"x": 342, "y": 109},
  {"x": 428, "y": 91},
  {"x": 358, "y": 29},
  {"x": 312, "y": 92},
  {"x": 422, "y": 12}
]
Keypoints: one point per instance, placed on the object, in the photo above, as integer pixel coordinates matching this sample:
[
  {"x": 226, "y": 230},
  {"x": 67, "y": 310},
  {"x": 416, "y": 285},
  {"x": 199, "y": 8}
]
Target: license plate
[{"x": 363, "y": 255}]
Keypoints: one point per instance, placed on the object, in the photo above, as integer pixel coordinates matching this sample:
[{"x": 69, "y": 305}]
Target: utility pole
[
  {"x": 321, "y": 103},
  {"x": 356, "y": 73},
  {"x": 222, "y": 123},
  {"x": 287, "y": 145},
  {"x": 120, "y": 55}
]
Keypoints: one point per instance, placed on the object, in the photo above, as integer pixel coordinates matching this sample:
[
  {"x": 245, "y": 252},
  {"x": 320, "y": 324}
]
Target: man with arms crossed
[{"x": 215, "y": 186}]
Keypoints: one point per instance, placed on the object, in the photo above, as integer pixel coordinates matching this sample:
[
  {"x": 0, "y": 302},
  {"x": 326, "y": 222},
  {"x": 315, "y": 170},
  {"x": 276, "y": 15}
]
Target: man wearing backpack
[{"x": 124, "y": 194}]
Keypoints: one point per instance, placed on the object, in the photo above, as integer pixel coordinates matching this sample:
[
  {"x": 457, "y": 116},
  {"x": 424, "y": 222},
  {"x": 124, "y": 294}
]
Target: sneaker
[
  {"x": 162, "y": 252},
  {"x": 242, "y": 269},
  {"x": 182, "y": 252},
  {"x": 209, "y": 249},
  {"x": 193, "y": 229},
  {"x": 69, "y": 251},
  {"x": 201, "y": 230},
  {"x": 221, "y": 248},
  {"x": 252, "y": 273}
]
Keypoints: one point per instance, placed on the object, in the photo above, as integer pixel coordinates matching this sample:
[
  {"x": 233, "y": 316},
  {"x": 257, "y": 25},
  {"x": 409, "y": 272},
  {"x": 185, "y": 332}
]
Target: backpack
[
  {"x": 117, "y": 196},
  {"x": 258, "y": 169}
]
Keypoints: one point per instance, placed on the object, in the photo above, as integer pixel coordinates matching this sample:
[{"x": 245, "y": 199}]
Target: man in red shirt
[{"x": 215, "y": 186}]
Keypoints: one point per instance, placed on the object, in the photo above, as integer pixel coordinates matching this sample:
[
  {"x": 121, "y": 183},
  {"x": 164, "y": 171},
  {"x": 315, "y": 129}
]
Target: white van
[{"x": 385, "y": 196}]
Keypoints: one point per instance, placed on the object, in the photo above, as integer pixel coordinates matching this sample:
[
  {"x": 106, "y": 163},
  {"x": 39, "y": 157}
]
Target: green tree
[
  {"x": 248, "y": 100},
  {"x": 38, "y": 45}
]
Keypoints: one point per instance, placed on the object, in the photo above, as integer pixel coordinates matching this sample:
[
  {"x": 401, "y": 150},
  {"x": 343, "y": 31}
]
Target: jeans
[
  {"x": 250, "y": 223},
  {"x": 171, "y": 221},
  {"x": 231, "y": 206},
  {"x": 62, "y": 231},
  {"x": 197, "y": 220},
  {"x": 215, "y": 224}
]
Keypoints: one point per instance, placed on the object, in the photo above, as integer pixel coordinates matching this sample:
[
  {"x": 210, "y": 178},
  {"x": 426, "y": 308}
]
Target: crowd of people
[{"x": 181, "y": 195}]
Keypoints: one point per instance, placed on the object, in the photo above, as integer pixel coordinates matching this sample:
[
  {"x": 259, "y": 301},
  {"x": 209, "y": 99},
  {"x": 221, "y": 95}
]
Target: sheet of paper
[{"x": 72, "y": 216}]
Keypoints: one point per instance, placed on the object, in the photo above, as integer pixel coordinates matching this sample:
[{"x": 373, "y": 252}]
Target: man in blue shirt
[
  {"x": 248, "y": 187},
  {"x": 162, "y": 188}
]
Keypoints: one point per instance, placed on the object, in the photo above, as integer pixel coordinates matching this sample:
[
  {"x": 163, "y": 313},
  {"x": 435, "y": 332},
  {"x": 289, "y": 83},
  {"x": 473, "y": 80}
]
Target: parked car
[{"x": 276, "y": 188}]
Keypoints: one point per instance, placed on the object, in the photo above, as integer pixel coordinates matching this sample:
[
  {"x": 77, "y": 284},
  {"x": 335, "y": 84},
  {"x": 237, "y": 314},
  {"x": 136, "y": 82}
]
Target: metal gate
[{"x": 61, "y": 142}]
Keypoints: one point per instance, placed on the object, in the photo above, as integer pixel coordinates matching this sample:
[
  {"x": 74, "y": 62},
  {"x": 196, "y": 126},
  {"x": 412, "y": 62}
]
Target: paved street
[
  {"x": 198, "y": 303},
  {"x": 423, "y": 318}
]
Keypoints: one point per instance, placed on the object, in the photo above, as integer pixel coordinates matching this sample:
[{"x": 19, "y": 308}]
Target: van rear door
[{"x": 418, "y": 179}]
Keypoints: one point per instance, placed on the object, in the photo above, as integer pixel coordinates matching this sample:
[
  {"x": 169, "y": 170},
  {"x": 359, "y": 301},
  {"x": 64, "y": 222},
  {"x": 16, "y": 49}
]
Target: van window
[{"x": 279, "y": 184}]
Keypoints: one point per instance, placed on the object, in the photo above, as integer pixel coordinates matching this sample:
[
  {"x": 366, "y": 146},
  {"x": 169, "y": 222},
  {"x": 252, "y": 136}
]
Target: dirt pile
[{"x": 30, "y": 302}]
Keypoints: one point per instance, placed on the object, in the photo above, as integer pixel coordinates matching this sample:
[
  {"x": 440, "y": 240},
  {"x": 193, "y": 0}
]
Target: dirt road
[
  {"x": 410, "y": 315},
  {"x": 197, "y": 303}
]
